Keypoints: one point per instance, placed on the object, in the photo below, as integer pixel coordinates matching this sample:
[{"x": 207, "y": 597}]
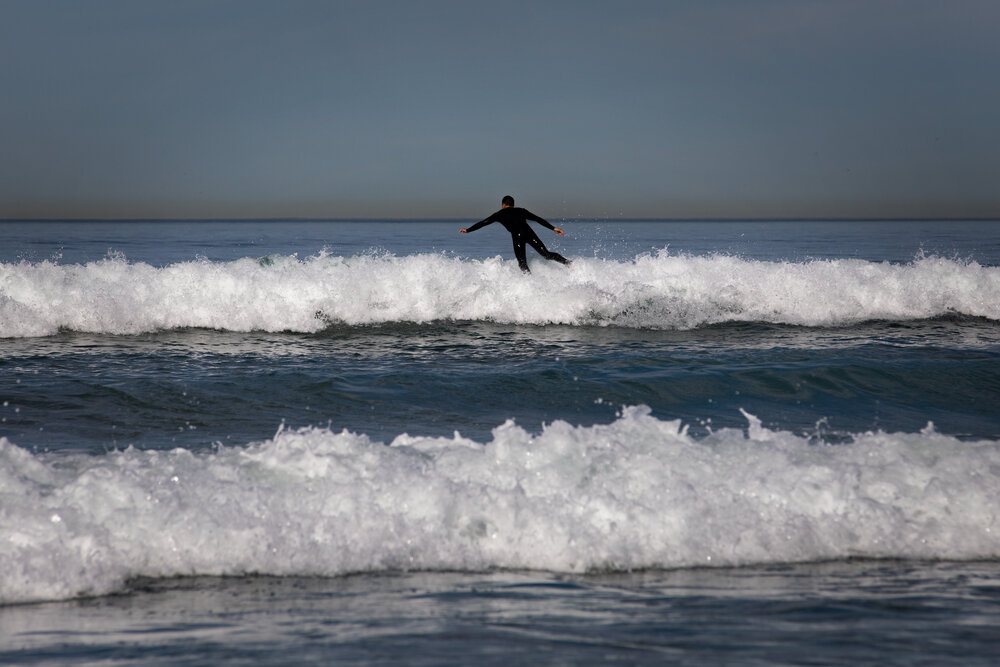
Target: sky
[{"x": 432, "y": 109}]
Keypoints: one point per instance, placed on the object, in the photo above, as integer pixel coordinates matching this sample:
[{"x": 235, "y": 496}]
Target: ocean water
[{"x": 734, "y": 442}]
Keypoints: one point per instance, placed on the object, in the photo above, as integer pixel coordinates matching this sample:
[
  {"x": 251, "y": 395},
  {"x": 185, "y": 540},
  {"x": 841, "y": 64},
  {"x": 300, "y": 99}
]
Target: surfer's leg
[
  {"x": 537, "y": 244},
  {"x": 522, "y": 261}
]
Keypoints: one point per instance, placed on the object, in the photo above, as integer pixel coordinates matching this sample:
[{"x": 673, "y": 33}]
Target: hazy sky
[{"x": 747, "y": 108}]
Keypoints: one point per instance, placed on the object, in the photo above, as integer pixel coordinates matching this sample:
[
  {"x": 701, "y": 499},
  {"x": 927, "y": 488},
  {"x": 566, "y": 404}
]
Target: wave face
[
  {"x": 653, "y": 291},
  {"x": 636, "y": 493}
]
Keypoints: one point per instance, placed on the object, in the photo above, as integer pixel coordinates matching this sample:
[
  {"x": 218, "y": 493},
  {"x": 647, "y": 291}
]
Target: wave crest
[
  {"x": 636, "y": 493},
  {"x": 654, "y": 291}
]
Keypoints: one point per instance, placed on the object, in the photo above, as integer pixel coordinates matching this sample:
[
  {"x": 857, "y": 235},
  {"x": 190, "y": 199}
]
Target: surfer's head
[{"x": 507, "y": 201}]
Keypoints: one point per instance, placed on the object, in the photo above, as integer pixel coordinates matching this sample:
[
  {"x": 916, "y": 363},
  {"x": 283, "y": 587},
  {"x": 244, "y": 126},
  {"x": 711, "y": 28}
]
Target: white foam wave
[
  {"x": 659, "y": 291},
  {"x": 636, "y": 493}
]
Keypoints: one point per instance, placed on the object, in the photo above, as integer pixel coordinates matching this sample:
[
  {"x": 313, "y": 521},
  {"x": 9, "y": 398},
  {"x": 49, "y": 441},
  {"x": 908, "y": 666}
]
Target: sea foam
[
  {"x": 655, "y": 291},
  {"x": 637, "y": 493}
]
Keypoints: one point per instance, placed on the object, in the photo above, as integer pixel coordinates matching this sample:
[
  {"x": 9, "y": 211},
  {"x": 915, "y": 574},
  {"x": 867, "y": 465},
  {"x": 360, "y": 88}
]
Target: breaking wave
[
  {"x": 636, "y": 493},
  {"x": 654, "y": 291}
]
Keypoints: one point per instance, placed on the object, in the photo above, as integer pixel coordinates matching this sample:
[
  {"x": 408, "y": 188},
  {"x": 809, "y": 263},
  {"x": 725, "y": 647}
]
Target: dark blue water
[
  {"x": 164, "y": 242},
  {"x": 834, "y": 386},
  {"x": 824, "y": 614}
]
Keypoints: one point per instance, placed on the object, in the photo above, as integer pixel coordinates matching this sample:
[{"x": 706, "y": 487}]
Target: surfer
[{"x": 515, "y": 220}]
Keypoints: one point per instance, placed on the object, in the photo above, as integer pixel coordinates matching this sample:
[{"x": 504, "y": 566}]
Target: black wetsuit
[{"x": 515, "y": 220}]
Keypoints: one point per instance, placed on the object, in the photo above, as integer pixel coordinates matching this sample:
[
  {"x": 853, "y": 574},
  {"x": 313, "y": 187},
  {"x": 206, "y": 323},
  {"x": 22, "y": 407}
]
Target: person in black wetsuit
[{"x": 515, "y": 220}]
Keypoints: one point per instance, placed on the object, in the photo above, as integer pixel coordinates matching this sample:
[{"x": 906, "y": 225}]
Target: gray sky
[{"x": 764, "y": 108}]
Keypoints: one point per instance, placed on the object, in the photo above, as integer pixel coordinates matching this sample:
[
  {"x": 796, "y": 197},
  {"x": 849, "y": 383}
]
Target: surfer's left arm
[{"x": 481, "y": 223}]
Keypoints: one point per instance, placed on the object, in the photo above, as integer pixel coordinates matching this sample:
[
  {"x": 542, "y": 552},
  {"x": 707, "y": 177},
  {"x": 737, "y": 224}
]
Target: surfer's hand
[
  {"x": 463, "y": 230},
  {"x": 559, "y": 231}
]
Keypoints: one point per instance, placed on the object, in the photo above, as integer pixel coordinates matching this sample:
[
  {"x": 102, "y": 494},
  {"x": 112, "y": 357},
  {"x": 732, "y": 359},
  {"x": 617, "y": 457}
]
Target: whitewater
[
  {"x": 660, "y": 290},
  {"x": 639, "y": 493},
  {"x": 334, "y": 441}
]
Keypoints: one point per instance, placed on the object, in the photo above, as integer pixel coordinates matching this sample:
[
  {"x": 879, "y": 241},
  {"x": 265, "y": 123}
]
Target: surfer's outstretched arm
[
  {"x": 481, "y": 223},
  {"x": 542, "y": 221}
]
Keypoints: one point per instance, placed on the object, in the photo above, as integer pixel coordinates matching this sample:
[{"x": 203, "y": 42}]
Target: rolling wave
[
  {"x": 651, "y": 291},
  {"x": 636, "y": 493}
]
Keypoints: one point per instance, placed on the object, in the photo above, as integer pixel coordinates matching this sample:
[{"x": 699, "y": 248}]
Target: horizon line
[{"x": 564, "y": 218}]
